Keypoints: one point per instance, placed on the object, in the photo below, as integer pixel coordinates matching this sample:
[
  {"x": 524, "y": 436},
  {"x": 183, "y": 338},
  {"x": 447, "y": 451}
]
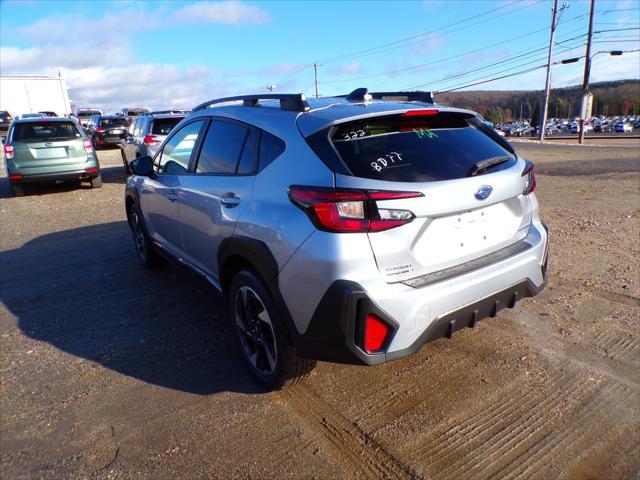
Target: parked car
[
  {"x": 5, "y": 121},
  {"x": 602, "y": 128},
  {"x": 49, "y": 114},
  {"x": 85, "y": 114},
  {"x": 31, "y": 115},
  {"x": 339, "y": 232},
  {"x": 132, "y": 112},
  {"x": 145, "y": 135},
  {"x": 624, "y": 127},
  {"x": 48, "y": 150},
  {"x": 106, "y": 130}
]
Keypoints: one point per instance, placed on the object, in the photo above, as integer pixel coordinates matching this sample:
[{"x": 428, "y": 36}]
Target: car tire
[
  {"x": 141, "y": 241},
  {"x": 262, "y": 338},
  {"x": 127, "y": 167},
  {"x": 17, "y": 190},
  {"x": 96, "y": 182}
]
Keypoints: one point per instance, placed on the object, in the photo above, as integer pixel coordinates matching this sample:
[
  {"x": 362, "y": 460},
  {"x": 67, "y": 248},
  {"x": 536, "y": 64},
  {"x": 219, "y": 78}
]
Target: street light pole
[{"x": 587, "y": 69}]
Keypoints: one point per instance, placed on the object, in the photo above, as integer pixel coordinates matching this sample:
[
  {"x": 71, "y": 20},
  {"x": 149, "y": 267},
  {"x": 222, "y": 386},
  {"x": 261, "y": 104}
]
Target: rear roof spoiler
[
  {"x": 295, "y": 102},
  {"x": 363, "y": 94}
]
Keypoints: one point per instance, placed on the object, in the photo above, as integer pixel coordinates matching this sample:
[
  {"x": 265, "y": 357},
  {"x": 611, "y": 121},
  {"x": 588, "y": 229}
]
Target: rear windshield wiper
[{"x": 487, "y": 163}]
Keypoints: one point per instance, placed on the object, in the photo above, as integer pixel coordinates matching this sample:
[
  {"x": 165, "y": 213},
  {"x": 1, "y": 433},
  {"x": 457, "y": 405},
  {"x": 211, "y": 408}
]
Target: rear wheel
[
  {"x": 96, "y": 182},
  {"x": 264, "y": 344},
  {"x": 144, "y": 248},
  {"x": 17, "y": 190}
]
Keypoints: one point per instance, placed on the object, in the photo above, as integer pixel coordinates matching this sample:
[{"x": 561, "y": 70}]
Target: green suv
[{"x": 49, "y": 149}]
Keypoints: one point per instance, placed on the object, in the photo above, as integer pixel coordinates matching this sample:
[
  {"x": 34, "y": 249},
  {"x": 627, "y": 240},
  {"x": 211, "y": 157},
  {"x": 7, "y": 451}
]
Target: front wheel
[
  {"x": 264, "y": 344},
  {"x": 144, "y": 248}
]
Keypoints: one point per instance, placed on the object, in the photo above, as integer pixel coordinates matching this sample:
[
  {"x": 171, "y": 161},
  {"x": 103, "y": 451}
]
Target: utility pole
[
  {"x": 547, "y": 85},
  {"x": 315, "y": 74},
  {"x": 587, "y": 68}
]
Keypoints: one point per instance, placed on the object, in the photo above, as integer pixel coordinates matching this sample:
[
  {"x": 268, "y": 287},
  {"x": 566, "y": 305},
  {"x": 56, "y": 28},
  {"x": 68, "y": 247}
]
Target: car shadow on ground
[{"x": 84, "y": 292}]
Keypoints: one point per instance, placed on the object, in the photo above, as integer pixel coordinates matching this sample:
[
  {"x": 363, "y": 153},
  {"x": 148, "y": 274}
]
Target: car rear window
[
  {"x": 162, "y": 126},
  {"x": 114, "y": 122},
  {"x": 43, "y": 131},
  {"x": 418, "y": 148},
  {"x": 87, "y": 113}
]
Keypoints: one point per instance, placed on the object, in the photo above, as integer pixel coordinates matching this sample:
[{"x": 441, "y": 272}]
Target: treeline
[{"x": 610, "y": 98}]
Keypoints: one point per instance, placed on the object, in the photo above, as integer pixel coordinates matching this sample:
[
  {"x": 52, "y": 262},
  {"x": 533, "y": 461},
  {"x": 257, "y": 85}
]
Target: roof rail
[
  {"x": 295, "y": 102},
  {"x": 362, "y": 94}
]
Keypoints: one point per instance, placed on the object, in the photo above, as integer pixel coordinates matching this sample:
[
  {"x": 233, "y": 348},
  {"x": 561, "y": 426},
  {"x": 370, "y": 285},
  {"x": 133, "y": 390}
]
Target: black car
[
  {"x": 107, "y": 130},
  {"x": 5, "y": 121}
]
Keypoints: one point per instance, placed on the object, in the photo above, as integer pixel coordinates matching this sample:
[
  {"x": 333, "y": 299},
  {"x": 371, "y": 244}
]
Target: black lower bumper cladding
[{"x": 333, "y": 331}]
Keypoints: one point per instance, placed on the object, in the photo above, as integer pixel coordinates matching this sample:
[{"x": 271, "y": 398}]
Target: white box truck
[{"x": 31, "y": 94}]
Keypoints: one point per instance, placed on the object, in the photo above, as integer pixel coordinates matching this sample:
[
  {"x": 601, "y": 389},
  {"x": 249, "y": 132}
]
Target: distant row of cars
[{"x": 557, "y": 126}]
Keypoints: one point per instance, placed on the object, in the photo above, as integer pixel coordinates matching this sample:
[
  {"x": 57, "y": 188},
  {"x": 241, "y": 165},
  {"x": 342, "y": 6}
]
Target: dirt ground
[{"x": 111, "y": 371}]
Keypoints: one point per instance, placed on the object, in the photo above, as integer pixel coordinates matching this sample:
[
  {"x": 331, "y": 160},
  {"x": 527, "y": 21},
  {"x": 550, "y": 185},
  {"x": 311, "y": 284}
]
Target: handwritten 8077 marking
[{"x": 384, "y": 161}]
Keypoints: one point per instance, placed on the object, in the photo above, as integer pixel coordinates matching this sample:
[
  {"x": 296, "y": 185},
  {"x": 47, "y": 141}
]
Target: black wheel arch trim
[{"x": 257, "y": 254}]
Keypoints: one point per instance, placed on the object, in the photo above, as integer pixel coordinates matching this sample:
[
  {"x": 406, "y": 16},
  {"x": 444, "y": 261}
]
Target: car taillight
[
  {"x": 8, "y": 152},
  {"x": 375, "y": 333},
  {"x": 350, "y": 211},
  {"x": 101, "y": 129},
  {"x": 151, "y": 140},
  {"x": 530, "y": 184},
  {"x": 88, "y": 146}
]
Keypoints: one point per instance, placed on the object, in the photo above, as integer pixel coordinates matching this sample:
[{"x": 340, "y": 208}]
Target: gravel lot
[{"x": 111, "y": 371}]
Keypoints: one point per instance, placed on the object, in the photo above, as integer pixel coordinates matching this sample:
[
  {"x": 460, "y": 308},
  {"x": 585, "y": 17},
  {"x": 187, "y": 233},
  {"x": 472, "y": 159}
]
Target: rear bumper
[
  {"x": 333, "y": 331},
  {"x": 423, "y": 314},
  {"x": 108, "y": 140},
  {"x": 52, "y": 177}
]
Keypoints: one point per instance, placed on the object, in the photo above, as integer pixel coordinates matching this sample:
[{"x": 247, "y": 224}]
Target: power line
[
  {"x": 402, "y": 42},
  {"x": 494, "y": 79},
  {"x": 463, "y": 54}
]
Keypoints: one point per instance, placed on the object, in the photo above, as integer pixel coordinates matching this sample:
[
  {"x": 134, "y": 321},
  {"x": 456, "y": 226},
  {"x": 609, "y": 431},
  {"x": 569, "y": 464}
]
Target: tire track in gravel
[
  {"x": 456, "y": 451},
  {"x": 600, "y": 412},
  {"x": 349, "y": 444}
]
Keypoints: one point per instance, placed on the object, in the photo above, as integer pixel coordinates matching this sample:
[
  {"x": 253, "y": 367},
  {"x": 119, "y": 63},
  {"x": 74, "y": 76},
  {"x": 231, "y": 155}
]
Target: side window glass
[
  {"x": 248, "y": 158},
  {"x": 132, "y": 128},
  {"x": 221, "y": 148},
  {"x": 270, "y": 148},
  {"x": 176, "y": 153},
  {"x": 138, "y": 127}
]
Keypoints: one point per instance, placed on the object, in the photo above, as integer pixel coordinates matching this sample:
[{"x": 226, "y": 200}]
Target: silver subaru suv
[{"x": 351, "y": 229}]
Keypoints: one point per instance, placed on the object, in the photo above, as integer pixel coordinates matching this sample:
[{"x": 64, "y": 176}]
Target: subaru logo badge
[{"x": 483, "y": 192}]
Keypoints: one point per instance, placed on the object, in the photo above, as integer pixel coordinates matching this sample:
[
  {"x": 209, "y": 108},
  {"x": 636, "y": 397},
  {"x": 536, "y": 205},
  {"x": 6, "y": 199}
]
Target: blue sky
[{"x": 174, "y": 53}]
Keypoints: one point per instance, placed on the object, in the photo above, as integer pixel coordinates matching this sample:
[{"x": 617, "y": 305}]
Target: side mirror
[{"x": 142, "y": 166}]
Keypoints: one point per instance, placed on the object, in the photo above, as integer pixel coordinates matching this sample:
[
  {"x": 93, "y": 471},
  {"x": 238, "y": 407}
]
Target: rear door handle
[
  {"x": 172, "y": 197},
  {"x": 230, "y": 200}
]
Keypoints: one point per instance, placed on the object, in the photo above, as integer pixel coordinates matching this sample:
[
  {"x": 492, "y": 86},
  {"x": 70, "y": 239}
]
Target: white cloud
[
  {"x": 231, "y": 12},
  {"x": 346, "y": 69},
  {"x": 427, "y": 44}
]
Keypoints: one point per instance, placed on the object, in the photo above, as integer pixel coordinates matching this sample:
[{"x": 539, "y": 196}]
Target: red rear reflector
[
  {"x": 375, "y": 333},
  {"x": 91, "y": 170},
  {"x": 15, "y": 177},
  {"x": 151, "y": 140},
  {"x": 420, "y": 113}
]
